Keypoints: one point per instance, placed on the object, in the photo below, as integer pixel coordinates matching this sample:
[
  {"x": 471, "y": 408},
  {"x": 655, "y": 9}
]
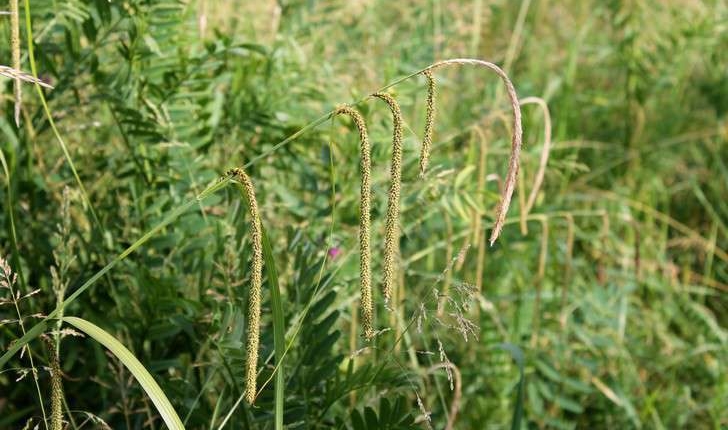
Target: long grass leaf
[
  {"x": 145, "y": 379},
  {"x": 279, "y": 340},
  {"x": 517, "y": 354}
]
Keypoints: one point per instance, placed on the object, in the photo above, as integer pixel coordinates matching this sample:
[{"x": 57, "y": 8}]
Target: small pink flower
[{"x": 334, "y": 252}]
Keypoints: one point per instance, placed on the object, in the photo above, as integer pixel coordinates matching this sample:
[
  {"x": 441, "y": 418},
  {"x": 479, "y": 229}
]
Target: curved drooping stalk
[
  {"x": 365, "y": 278},
  {"x": 253, "y": 331},
  {"x": 391, "y": 232},
  {"x": 545, "y": 151},
  {"x": 516, "y": 137}
]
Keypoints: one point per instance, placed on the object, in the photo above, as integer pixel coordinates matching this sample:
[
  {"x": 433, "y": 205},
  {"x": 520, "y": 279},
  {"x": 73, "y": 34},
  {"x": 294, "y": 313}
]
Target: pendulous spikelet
[
  {"x": 365, "y": 278},
  {"x": 15, "y": 53},
  {"x": 256, "y": 236},
  {"x": 429, "y": 122},
  {"x": 391, "y": 232},
  {"x": 516, "y": 137}
]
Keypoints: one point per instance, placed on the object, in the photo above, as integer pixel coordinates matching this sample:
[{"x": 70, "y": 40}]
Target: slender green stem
[
  {"x": 46, "y": 109},
  {"x": 11, "y": 217}
]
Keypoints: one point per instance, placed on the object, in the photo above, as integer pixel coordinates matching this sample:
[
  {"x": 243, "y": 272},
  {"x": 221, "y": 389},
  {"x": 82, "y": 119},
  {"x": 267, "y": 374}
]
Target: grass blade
[
  {"x": 145, "y": 379},
  {"x": 517, "y": 355},
  {"x": 279, "y": 339}
]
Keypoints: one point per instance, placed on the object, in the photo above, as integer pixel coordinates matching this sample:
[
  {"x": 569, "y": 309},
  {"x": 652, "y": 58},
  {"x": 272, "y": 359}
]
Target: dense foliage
[{"x": 605, "y": 307}]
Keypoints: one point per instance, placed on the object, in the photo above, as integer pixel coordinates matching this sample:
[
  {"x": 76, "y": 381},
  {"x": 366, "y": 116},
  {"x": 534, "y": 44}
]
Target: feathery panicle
[
  {"x": 365, "y": 278},
  {"x": 15, "y": 53},
  {"x": 516, "y": 137},
  {"x": 391, "y": 233},
  {"x": 429, "y": 122},
  {"x": 540, "y": 173},
  {"x": 256, "y": 235}
]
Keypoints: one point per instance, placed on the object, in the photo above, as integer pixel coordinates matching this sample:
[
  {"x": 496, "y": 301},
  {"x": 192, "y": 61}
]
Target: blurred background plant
[{"x": 610, "y": 313}]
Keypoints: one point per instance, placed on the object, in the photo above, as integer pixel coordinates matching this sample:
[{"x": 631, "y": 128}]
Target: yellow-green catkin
[
  {"x": 365, "y": 278},
  {"x": 15, "y": 53},
  {"x": 391, "y": 232},
  {"x": 56, "y": 390},
  {"x": 256, "y": 236},
  {"x": 429, "y": 122}
]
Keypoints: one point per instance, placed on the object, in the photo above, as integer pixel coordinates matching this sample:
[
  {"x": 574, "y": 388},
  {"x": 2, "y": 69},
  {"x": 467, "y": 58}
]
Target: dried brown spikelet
[
  {"x": 429, "y": 122},
  {"x": 516, "y": 137},
  {"x": 15, "y": 53},
  {"x": 391, "y": 232},
  {"x": 256, "y": 234},
  {"x": 365, "y": 277},
  {"x": 11, "y": 73}
]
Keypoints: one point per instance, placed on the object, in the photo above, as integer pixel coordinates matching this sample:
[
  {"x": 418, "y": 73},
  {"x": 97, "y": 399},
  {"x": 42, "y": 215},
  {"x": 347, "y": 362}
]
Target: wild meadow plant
[
  {"x": 392, "y": 237},
  {"x": 625, "y": 316}
]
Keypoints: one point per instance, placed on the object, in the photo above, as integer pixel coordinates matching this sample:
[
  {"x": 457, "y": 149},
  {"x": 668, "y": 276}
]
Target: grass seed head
[
  {"x": 391, "y": 233},
  {"x": 365, "y": 276},
  {"x": 253, "y": 339},
  {"x": 56, "y": 386},
  {"x": 429, "y": 122}
]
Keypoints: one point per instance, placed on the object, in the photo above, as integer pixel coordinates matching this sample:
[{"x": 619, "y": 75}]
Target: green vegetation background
[{"x": 155, "y": 100}]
